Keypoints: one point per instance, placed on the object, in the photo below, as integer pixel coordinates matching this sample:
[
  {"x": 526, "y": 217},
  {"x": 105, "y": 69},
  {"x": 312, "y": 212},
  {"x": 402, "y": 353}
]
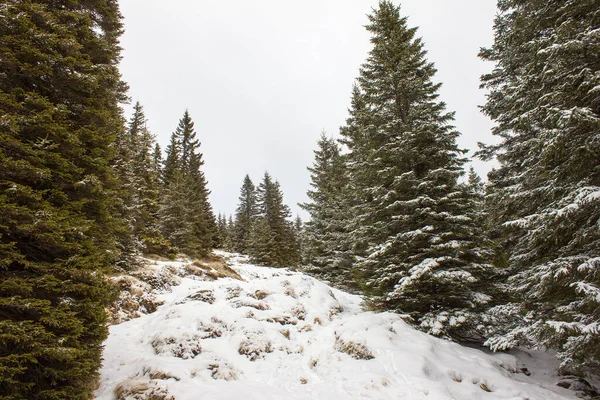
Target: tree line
[{"x": 513, "y": 262}]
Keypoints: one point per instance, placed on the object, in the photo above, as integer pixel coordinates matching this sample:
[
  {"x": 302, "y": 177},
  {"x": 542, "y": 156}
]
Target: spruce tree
[
  {"x": 545, "y": 195},
  {"x": 186, "y": 217},
  {"x": 272, "y": 239},
  {"x": 325, "y": 245},
  {"x": 415, "y": 239},
  {"x": 59, "y": 95},
  {"x": 145, "y": 167},
  {"x": 245, "y": 215}
]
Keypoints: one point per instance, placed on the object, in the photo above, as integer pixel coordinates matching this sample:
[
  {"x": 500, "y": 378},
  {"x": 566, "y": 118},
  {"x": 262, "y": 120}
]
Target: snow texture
[{"x": 280, "y": 334}]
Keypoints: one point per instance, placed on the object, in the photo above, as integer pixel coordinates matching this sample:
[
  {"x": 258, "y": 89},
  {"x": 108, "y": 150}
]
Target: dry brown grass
[
  {"x": 207, "y": 296},
  {"x": 455, "y": 376},
  {"x": 141, "y": 389},
  {"x": 216, "y": 267},
  {"x": 254, "y": 349},
  {"x": 335, "y": 311},
  {"x": 259, "y": 305},
  {"x": 305, "y": 328},
  {"x": 157, "y": 374},
  {"x": 303, "y": 380},
  {"x": 259, "y": 294},
  {"x": 223, "y": 371},
  {"x": 357, "y": 350}
]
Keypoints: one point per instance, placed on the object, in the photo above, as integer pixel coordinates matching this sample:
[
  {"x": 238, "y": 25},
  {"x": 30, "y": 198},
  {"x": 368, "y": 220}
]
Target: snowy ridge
[{"x": 284, "y": 335}]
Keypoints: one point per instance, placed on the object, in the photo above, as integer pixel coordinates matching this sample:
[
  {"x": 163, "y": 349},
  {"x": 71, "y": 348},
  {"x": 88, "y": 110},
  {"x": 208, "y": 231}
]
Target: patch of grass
[
  {"x": 303, "y": 380},
  {"x": 141, "y": 389},
  {"x": 207, "y": 296},
  {"x": 254, "y": 349},
  {"x": 157, "y": 374},
  {"x": 216, "y": 267},
  {"x": 259, "y": 294},
  {"x": 357, "y": 350}
]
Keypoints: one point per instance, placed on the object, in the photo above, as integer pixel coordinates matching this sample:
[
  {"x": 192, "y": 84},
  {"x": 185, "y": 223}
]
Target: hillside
[{"x": 279, "y": 334}]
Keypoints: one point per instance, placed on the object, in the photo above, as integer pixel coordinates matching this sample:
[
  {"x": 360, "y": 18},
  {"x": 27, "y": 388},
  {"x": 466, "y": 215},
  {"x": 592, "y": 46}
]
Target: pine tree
[
  {"x": 245, "y": 215},
  {"x": 325, "y": 244},
  {"x": 272, "y": 239},
  {"x": 145, "y": 165},
  {"x": 186, "y": 217},
  {"x": 59, "y": 95},
  {"x": 229, "y": 244},
  {"x": 545, "y": 195},
  {"x": 414, "y": 234}
]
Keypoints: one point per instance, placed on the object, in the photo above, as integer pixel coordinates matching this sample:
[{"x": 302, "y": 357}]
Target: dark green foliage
[
  {"x": 245, "y": 215},
  {"x": 272, "y": 238},
  {"x": 59, "y": 93},
  {"x": 415, "y": 236},
  {"x": 186, "y": 218},
  {"x": 326, "y": 245},
  {"x": 544, "y": 198}
]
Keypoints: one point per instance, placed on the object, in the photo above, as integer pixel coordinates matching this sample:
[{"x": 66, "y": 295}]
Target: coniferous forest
[{"x": 395, "y": 212}]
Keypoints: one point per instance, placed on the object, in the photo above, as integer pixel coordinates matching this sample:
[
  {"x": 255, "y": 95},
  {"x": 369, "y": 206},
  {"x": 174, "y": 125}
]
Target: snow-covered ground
[{"x": 284, "y": 335}]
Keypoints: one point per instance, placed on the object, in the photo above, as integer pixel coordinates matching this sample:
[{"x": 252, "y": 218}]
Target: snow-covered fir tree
[
  {"x": 415, "y": 235},
  {"x": 325, "y": 240},
  {"x": 545, "y": 195}
]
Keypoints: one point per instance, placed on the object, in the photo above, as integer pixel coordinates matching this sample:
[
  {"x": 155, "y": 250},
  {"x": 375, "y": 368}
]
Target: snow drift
[{"x": 279, "y": 334}]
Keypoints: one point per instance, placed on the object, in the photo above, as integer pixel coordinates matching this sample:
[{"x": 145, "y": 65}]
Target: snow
[{"x": 280, "y": 334}]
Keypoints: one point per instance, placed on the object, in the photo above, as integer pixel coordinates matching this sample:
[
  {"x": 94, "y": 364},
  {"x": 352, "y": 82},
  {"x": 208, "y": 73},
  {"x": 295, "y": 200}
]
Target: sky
[{"x": 262, "y": 79}]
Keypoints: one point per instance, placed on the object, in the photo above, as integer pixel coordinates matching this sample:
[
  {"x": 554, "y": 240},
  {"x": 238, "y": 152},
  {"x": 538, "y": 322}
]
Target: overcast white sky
[{"x": 263, "y": 78}]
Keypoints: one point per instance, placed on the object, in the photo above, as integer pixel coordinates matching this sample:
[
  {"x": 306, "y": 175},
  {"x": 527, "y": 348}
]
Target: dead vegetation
[
  {"x": 254, "y": 349},
  {"x": 216, "y": 267},
  {"x": 142, "y": 389},
  {"x": 259, "y": 294},
  {"x": 257, "y": 304},
  {"x": 207, "y": 296},
  {"x": 224, "y": 372},
  {"x": 185, "y": 347},
  {"x": 157, "y": 374},
  {"x": 357, "y": 350}
]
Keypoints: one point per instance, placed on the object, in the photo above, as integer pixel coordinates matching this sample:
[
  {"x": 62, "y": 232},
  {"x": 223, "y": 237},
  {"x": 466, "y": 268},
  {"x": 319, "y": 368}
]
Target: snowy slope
[{"x": 283, "y": 335}]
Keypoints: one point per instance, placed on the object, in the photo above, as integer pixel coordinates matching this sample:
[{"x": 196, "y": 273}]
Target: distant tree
[
  {"x": 60, "y": 90},
  {"x": 186, "y": 218},
  {"x": 245, "y": 215},
  {"x": 544, "y": 197},
  {"x": 272, "y": 239}
]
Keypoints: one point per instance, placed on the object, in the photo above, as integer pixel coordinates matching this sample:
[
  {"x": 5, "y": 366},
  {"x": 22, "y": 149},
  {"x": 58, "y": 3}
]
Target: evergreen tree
[
  {"x": 272, "y": 239},
  {"x": 186, "y": 217},
  {"x": 414, "y": 234},
  {"x": 245, "y": 215},
  {"x": 325, "y": 244},
  {"x": 145, "y": 164},
  {"x": 545, "y": 195},
  {"x": 229, "y": 244},
  {"x": 59, "y": 94}
]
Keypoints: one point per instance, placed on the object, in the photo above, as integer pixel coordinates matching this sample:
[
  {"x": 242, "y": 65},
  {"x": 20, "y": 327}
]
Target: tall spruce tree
[
  {"x": 545, "y": 195},
  {"x": 146, "y": 185},
  {"x": 186, "y": 217},
  {"x": 325, "y": 245},
  {"x": 415, "y": 237},
  {"x": 245, "y": 215},
  {"x": 59, "y": 94}
]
